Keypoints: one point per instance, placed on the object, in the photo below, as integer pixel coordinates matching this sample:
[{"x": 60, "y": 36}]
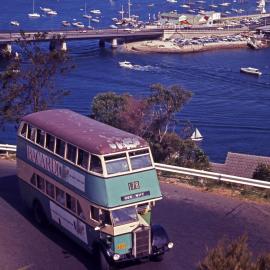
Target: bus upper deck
[{"x": 108, "y": 166}]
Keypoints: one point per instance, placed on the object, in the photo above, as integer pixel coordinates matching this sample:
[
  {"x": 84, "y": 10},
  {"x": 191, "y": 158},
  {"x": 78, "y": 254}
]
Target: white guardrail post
[
  {"x": 8, "y": 148},
  {"x": 212, "y": 175}
]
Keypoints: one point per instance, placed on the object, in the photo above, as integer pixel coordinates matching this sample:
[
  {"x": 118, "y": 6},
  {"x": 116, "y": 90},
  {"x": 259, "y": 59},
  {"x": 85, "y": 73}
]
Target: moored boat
[
  {"x": 66, "y": 23},
  {"x": 15, "y": 23},
  {"x": 251, "y": 70}
]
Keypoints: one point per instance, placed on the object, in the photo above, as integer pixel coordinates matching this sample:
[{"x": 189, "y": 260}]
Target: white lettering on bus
[
  {"x": 127, "y": 143},
  {"x": 56, "y": 168}
]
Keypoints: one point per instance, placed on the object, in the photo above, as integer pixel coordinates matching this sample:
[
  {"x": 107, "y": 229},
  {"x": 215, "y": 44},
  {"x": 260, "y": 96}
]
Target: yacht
[
  {"x": 66, "y": 23},
  {"x": 78, "y": 24},
  {"x": 96, "y": 20},
  {"x": 45, "y": 9},
  {"x": 125, "y": 64},
  {"x": 51, "y": 12},
  {"x": 33, "y": 14},
  {"x": 87, "y": 16},
  {"x": 95, "y": 11},
  {"x": 251, "y": 70},
  {"x": 15, "y": 23}
]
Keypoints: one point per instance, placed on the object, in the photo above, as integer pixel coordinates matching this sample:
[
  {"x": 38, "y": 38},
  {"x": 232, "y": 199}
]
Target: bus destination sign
[{"x": 135, "y": 196}]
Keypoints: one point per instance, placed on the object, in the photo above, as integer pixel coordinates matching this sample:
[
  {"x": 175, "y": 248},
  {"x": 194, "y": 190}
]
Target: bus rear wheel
[{"x": 39, "y": 214}]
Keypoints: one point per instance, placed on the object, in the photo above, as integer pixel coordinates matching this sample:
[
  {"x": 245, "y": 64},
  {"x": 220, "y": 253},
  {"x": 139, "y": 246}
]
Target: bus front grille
[{"x": 142, "y": 247}]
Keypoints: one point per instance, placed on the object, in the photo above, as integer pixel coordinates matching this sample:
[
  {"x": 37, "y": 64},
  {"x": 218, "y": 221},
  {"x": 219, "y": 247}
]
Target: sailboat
[
  {"x": 33, "y": 14},
  {"x": 196, "y": 136},
  {"x": 85, "y": 15}
]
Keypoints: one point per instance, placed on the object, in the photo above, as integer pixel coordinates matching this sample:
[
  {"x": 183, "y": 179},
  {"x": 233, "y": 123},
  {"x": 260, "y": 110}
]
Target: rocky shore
[{"x": 159, "y": 46}]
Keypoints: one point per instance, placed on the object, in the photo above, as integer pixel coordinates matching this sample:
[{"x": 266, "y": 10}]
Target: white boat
[
  {"x": 33, "y": 14},
  {"x": 172, "y": 1},
  {"x": 78, "y": 24},
  {"x": 95, "y": 20},
  {"x": 87, "y": 16},
  {"x": 185, "y": 6},
  {"x": 113, "y": 26},
  {"x": 66, "y": 23},
  {"x": 196, "y": 136},
  {"x": 251, "y": 70},
  {"x": 45, "y": 9},
  {"x": 51, "y": 12},
  {"x": 125, "y": 64},
  {"x": 95, "y": 11},
  {"x": 15, "y": 23}
]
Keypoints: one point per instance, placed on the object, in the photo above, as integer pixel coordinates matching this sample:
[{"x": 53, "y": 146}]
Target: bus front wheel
[
  {"x": 103, "y": 263},
  {"x": 39, "y": 214}
]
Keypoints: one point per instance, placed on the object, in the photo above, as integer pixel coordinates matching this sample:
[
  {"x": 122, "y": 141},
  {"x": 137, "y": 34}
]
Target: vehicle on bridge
[{"x": 96, "y": 183}]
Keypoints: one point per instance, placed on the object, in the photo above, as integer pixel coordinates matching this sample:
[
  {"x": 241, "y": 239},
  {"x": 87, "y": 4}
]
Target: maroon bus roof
[{"x": 84, "y": 132}]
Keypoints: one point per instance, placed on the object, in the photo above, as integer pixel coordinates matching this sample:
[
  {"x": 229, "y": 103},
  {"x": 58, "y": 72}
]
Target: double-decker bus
[{"x": 94, "y": 182}]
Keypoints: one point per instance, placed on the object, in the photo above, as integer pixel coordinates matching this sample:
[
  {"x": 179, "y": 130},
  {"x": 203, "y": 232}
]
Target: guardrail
[
  {"x": 7, "y": 148},
  {"x": 212, "y": 175}
]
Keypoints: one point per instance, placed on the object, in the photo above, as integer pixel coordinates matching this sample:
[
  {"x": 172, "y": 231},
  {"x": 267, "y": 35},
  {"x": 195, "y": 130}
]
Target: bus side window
[
  {"x": 94, "y": 211},
  {"x": 31, "y": 133},
  {"x": 33, "y": 180},
  {"x": 40, "y": 183},
  {"x": 71, "y": 153},
  {"x": 95, "y": 164},
  {"x": 71, "y": 202},
  {"x": 40, "y": 137},
  {"x": 50, "y": 189},
  {"x": 83, "y": 159},
  {"x": 60, "y": 196},
  {"x": 50, "y": 142},
  {"x": 24, "y": 130},
  {"x": 60, "y": 147},
  {"x": 80, "y": 211}
]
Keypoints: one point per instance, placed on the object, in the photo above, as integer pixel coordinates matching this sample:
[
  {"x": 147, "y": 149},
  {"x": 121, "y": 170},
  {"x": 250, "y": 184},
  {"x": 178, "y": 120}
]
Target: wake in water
[{"x": 142, "y": 68}]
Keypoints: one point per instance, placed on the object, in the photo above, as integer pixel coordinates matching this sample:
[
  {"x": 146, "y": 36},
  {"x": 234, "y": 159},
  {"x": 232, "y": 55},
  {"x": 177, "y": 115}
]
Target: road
[{"x": 194, "y": 220}]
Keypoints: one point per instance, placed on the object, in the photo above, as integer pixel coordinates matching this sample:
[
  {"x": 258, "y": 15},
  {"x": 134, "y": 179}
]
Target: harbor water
[{"x": 231, "y": 109}]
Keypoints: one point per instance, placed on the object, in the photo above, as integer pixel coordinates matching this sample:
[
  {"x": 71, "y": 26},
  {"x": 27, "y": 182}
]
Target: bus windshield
[
  {"x": 140, "y": 159},
  {"x": 124, "y": 215},
  {"x": 116, "y": 163}
]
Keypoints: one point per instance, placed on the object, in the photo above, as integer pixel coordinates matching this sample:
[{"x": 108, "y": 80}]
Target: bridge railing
[
  {"x": 212, "y": 175},
  {"x": 7, "y": 148}
]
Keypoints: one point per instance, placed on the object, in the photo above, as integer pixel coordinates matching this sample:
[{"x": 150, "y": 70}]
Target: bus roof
[{"x": 84, "y": 132}]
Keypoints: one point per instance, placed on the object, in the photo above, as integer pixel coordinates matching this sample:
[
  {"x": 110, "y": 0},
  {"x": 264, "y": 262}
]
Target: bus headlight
[
  {"x": 116, "y": 257},
  {"x": 170, "y": 245}
]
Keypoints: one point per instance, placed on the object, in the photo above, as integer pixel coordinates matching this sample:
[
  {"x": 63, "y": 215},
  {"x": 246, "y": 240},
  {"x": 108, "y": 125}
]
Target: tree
[
  {"x": 234, "y": 255},
  {"x": 154, "y": 119},
  {"x": 28, "y": 83},
  {"x": 262, "y": 172}
]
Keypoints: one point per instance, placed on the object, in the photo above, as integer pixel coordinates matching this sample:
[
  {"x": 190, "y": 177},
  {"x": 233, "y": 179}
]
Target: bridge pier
[
  {"x": 101, "y": 43},
  {"x": 5, "y": 49},
  {"x": 114, "y": 43},
  {"x": 58, "y": 45}
]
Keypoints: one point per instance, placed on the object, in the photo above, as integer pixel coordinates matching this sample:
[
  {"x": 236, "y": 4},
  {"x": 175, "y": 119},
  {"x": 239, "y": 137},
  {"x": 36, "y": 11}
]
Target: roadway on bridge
[{"x": 195, "y": 220}]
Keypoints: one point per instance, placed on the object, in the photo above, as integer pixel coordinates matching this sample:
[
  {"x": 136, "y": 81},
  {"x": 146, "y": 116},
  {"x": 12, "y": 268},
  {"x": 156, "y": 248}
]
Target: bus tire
[
  {"x": 103, "y": 263},
  {"x": 39, "y": 214}
]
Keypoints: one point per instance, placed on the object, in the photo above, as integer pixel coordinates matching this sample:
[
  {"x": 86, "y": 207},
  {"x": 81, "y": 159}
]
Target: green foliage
[
  {"x": 28, "y": 85},
  {"x": 234, "y": 255},
  {"x": 107, "y": 106},
  {"x": 154, "y": 119},
  {"x": 262, "y": 172}
]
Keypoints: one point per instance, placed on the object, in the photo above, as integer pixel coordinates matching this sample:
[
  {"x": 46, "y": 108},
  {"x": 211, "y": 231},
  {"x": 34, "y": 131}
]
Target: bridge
[
  {"x": 103, "y": 35},
  {"x": 114, "y": 36}
]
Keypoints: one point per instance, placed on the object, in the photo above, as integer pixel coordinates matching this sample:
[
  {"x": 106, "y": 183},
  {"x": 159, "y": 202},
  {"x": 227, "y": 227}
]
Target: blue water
[{"x": 230, "y": 109}]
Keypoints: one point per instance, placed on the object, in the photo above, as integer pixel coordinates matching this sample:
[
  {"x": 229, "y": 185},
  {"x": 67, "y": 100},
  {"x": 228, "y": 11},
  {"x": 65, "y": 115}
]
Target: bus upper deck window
[
  {"x": 116, "y": 163},
  {"x": 83, "y": 159},
  {"x": 50, "y": 142},
  {"x": 24, "y": 130},
  {"x": 71, "y": 153},
  {"x": 140, "y": 159},
  {"x": 40, "y": 137},
  {"x": 31, "y": 133},
  {"x": 95, "y": 164},
  {"x": 60, "y": 147}
]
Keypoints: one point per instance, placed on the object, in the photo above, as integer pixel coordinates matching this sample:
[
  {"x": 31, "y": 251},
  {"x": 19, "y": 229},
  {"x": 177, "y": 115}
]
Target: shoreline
[{"x": 158, "y": 46}]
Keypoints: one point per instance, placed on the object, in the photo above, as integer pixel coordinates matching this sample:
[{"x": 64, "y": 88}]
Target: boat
[
  {"x": 95, "y": 20},
  {"x": 95, "y": 11},
  {"x": 87, "y": 16},
  {"x": 33, "y": 14},
  {"x": 251, "y": 70},
  {"x": 51, "y": 12},
  {"x": 78, "y": 24},
  {"x": 15, "y": 23},
  {"x": 113, "y": 26},
  {"x": 125, "y": 64},
  {"x": 66, "y": 23},
  {"x": 172, "y": 1},
  {"x": 196, "y": 136},
  {"x": 45, "y": 9}
]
